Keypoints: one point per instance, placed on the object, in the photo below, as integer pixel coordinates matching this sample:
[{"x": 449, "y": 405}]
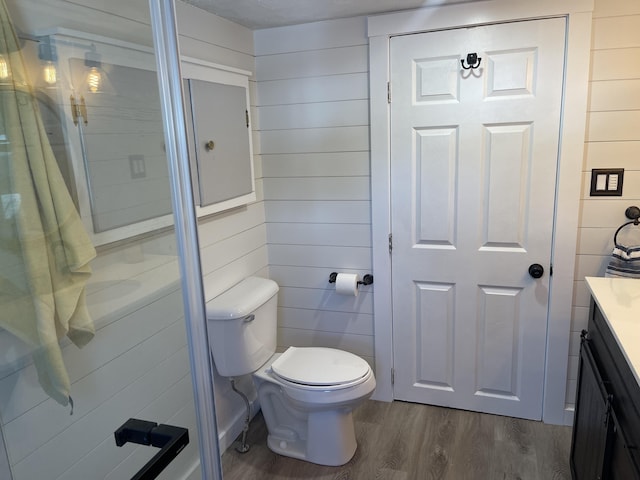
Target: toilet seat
[{"x": 319, "y": 368}]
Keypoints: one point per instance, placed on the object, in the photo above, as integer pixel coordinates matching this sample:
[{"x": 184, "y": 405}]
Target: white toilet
[{"x": 307, "y": 394}]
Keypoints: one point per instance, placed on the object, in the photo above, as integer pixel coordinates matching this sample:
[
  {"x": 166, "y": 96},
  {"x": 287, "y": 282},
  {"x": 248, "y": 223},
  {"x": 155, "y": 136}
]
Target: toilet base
[
  {"x": 331, "y": 439},
  {"x": 310, "y": 424}
]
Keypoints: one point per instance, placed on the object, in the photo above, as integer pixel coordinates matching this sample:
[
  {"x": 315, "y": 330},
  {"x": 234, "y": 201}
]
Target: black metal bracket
[
  {"x": 473, "y": 61},
  {"x": 584, "y": 335},
  {"x": 633, "y": 213},
  {"x": 171, "y": 441}
]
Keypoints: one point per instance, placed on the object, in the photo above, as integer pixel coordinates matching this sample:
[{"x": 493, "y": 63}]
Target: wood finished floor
[{"x": 405, "y": 441}]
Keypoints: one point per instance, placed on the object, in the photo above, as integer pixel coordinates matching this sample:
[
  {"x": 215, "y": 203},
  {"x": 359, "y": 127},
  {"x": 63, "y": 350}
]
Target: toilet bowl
[
  {"x": 307, "y": 397},
  {"x": 307, "y": 394}
]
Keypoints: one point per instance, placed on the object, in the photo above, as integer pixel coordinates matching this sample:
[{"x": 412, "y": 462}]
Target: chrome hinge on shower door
[
  {"x": 393, "y": 376},
  {"x": 390, "y": 242},
  {"x": 78, "y": 110}
]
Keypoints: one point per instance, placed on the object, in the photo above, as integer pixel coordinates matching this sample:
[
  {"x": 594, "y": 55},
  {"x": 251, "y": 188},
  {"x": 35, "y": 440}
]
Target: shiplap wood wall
[
  {"x": 310, "y": 119},
  {"x": 312, "y": 83},
  {"x": 138, "y": 363},
  {"x": 613, "y": 141}
]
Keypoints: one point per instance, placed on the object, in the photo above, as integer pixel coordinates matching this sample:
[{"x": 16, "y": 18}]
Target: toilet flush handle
[{"x": 249, "y": 318}]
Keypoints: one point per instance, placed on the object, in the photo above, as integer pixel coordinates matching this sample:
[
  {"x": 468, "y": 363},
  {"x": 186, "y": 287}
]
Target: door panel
[
  {"x": 437, "y": 81},
  {"x": 508, "y": 161},
  {"x": 474, "y": 156},
  {"x": 435, "y": 202},
  {"x": 435, "y": 337},
  {"x": 497, "y": 349},
  {"x": 511, "y": 73}
]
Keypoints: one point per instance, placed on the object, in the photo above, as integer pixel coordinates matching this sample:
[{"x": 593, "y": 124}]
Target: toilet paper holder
[{"x": 366, "y": 280}]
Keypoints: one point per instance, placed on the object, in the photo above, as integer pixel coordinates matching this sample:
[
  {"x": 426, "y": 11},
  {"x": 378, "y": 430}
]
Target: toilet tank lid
[{"x": 241, "y": 299}]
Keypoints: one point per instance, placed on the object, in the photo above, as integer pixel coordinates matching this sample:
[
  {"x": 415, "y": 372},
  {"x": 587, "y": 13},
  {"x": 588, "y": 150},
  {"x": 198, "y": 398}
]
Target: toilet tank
[{"x": 242, "y": 326}]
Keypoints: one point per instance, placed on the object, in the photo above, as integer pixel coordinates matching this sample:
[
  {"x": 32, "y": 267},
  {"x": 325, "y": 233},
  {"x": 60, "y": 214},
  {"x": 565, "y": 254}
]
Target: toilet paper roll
[{"x": 347, "y": 284}]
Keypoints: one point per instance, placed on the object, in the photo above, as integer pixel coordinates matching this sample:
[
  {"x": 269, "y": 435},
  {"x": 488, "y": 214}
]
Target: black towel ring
[
  {"x": 634, "y": 214},
  {"x": 615, "y": 235}
]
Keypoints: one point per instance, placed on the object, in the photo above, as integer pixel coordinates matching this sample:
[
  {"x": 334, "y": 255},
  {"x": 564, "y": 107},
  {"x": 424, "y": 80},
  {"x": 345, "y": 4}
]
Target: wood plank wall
[
  {"x": 613, "y": 141},
  {"x": 137, "y": 365},
  {"x": 310, "y": 109},
  {"x": 312, "y": 83}
]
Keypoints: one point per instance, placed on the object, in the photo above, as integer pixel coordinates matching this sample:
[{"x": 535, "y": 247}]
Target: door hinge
[
  {"x": 388, "y": 92},
  {"x": 390, "y": 242},
  {"x": 551, "y": 270},
  {"x": 246, "y": 112},
  {"x": 78, "y": 110},
  {"x": 393, "y": 376}
]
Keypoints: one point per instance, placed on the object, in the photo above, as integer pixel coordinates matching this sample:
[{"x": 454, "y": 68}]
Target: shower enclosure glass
[{"x": 93, "y": 328}]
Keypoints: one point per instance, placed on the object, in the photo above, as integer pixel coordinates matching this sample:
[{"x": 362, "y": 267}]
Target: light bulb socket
[
  {"x": 92, "y": 58},
  {"x": 46, "y": 51}
]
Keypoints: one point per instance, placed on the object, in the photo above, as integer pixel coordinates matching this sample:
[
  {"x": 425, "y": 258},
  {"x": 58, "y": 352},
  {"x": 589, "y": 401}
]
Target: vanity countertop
[{"x": 619, "y": 302}]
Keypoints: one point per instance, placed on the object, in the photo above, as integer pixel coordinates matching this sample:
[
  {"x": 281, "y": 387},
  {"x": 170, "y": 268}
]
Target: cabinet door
[
  {"x": 221, "y": 130},
  {"x": 621, "y": 465},
  {"x": 591, "y": 426}
]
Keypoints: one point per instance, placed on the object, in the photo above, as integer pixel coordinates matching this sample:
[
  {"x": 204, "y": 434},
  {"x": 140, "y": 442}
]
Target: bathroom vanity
[{"x": 606, "y": 429}]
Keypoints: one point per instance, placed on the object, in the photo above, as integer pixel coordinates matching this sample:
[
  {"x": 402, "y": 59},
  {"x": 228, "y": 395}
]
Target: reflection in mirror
[
  {"x": 46, "y": 251},
  {"x": 107, "y": 100},
  {"x": 132, "y": 301},
  {"x": 123, "y": 142}
]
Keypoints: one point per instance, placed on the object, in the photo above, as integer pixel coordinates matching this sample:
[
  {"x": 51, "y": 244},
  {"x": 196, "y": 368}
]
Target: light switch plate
[
  {"x": 137, "y": 167},
  {"x": 606, "y": 182}
]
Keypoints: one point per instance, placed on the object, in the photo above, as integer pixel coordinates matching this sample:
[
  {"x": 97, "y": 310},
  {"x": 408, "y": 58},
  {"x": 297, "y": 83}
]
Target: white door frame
[{"x": 572, "y": 136}]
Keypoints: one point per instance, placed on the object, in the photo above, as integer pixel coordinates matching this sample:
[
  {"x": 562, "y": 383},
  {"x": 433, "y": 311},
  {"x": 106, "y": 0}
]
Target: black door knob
[{"x": 536, "y": 270}]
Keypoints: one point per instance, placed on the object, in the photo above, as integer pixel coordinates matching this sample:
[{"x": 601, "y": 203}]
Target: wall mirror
[{"x": 107, "y": 94}]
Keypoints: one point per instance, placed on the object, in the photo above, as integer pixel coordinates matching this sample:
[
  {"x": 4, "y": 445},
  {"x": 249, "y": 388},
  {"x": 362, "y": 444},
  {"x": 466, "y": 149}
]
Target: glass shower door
[{"x": 92, "y": 302}]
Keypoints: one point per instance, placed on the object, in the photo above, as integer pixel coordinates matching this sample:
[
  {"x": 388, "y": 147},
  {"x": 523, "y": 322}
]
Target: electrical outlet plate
[{"x": 606, "y": 182}]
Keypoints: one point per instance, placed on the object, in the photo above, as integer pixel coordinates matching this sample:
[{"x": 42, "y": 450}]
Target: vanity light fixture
[
  {"x": 50, "y": 73},
  {"x": 48, "y": 56},
  {"x": 96, "y": 78}
]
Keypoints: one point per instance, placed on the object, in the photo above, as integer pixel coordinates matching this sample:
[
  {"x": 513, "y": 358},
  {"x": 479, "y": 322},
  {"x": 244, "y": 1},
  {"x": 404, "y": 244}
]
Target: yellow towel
[{"x": 44, "y": 248}]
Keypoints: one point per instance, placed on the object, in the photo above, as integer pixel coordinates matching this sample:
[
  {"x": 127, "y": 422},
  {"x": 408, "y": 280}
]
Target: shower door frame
[{"x": 165, "y": 38}]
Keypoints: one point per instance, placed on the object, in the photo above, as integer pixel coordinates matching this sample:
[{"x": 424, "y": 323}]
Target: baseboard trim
[
  {"x": 568, "y": 415},
  {"x": 227, "y": 436}
]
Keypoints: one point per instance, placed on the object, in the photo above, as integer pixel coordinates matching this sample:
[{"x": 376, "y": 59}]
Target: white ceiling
[{"x": 258, "y": 14}]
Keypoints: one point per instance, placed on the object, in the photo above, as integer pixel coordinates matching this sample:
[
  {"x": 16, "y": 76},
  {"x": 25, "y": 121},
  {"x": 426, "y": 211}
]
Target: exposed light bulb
[
  {"x": 50, "y": 74},
  {"x": 94, "y": 80},
  {"x": 4, "y": 68}
]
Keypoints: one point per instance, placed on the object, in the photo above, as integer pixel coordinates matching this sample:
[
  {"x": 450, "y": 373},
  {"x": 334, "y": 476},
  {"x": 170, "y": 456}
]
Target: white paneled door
[{"x": 473, "y": 175}]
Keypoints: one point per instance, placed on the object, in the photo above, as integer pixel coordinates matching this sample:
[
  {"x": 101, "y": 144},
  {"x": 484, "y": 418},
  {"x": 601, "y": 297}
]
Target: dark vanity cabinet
[{"x": 606, "y": 429}]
